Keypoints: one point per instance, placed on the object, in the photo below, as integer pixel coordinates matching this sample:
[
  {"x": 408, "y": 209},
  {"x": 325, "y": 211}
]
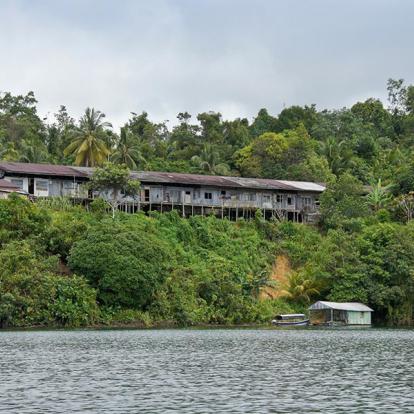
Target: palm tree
[
  {"x": 335, "y": 152},
  {"x": 299, "y": 287},
  {"x": 208, "y": 161},
  {"x": 128, "y": 152},
  {"x": 88, "y": 146},
  {"x": 9, "y": 153},
  {"x": 379, "y": 195},
  {"x": 32, "y": 152}
]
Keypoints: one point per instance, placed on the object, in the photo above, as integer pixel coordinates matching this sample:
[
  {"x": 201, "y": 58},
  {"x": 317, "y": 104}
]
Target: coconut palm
[
  {"x": 336, "y": 153},
  {"x": 299, "y": 287},
  {"x": 87, "y": 146},
  {"x": 208, "y": 161},
  {"x": 33, "y": 153},
  {"x": 128, "y": 152}
]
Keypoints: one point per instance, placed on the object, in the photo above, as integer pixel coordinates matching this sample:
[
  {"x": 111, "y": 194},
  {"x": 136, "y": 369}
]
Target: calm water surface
[{"x": 207, "y": 371}]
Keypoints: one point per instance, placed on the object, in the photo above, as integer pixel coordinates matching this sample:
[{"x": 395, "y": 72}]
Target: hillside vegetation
[
  {"x": 61, "y": 265},
  {"x": 64, "y": 266}
]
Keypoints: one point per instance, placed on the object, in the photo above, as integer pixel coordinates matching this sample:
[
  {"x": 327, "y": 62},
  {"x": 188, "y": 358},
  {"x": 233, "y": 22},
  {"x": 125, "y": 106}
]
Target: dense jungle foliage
[{"x": 62, "y": 265}]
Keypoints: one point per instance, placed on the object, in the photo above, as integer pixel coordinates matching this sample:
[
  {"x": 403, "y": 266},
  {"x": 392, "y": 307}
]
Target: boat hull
[{"x": 291, "y": 323}]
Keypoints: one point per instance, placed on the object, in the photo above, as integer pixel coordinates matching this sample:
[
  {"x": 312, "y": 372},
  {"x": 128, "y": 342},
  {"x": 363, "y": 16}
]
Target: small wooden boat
[{"x": 291, "y": 319}]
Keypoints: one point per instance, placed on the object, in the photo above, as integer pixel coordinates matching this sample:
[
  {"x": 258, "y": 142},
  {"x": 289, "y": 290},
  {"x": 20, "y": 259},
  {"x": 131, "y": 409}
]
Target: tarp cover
[{"x": 290, "y": 316}]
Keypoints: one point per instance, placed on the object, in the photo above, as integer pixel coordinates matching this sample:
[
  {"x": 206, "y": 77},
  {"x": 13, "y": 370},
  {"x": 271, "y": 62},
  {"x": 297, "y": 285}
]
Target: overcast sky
[{"x": 232, "y": 56}]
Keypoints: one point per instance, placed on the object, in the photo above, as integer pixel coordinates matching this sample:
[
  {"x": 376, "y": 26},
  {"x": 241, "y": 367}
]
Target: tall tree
[
  {"x": 211, "y": 127},
  {"x": 293, "y": 116},
  {"x": 88, "y": 145},
  {"x": 263, "y": 123},
  {"x": 59, "y": 133},
  {"x": 128, "y": 151},
  {"x": 208, "y": 161},
  {"x": 20, "y": 125}
]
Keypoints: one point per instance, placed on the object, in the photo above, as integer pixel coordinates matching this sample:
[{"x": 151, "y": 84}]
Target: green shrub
[
  {"x": 125, "y": 263},
  {"x": 20, "y": 218},
  {"x": 33, "y": 295}
]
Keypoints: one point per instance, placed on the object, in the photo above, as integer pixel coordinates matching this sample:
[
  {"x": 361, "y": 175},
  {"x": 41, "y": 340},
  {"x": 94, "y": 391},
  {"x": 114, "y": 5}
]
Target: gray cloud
[{"x": 233, "y": 56}]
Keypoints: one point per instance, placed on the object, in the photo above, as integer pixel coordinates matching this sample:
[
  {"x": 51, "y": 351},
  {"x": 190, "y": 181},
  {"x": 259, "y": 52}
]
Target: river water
[{"x": 207, "y": 371}]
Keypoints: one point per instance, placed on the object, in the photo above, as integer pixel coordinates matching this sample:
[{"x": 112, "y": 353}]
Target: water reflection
[{"x": 207, "y": 371}]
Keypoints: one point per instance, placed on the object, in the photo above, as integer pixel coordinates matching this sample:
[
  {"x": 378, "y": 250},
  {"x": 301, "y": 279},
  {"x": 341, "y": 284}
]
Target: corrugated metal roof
[
  {"x": 211, "y": 180},
  {"x": 304, "y": 185},
  {"x": 166, "y": 177},
  {"x": 40, "y": 169},
  {"x": 347, "y": 306}
]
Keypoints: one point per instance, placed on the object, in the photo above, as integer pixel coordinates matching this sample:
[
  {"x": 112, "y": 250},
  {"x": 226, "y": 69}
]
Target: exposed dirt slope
[{"x": 280, "y": 271}]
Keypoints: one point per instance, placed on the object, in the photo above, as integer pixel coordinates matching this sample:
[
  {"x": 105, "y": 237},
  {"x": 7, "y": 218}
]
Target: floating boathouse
[{"x": 336, "y": 313}]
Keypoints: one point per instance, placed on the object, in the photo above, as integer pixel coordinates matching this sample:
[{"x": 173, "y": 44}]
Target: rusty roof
[
  {"x": 224, "y": 181},
  {"x": 40, "y": 169},
  {"x": 155, "y": 177}
]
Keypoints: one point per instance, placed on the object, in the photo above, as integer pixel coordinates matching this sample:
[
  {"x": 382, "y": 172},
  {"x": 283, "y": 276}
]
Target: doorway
[
  {"x": 187, "y": 197},
  {"x": 31, "y": 186}
]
